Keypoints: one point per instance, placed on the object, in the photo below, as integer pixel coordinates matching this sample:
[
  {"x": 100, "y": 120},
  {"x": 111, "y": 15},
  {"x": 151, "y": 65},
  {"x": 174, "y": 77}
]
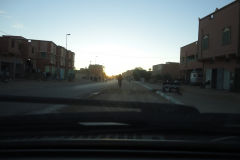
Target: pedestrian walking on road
[{"x": 120, "y": 80}]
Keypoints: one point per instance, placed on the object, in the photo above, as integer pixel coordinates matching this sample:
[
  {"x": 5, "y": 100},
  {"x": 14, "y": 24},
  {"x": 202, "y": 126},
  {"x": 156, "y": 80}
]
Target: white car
[{"x": 196, "y": 78}]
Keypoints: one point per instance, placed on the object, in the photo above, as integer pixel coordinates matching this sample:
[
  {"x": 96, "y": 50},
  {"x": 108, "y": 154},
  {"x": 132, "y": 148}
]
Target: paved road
[
  {"x": 108, "y": 91},
  {"x": 46, "y": 89},
  {"x": 205, "y": 100},
  {"x": 129, "y": 92}
]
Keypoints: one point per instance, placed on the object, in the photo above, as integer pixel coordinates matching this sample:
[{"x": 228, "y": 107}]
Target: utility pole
[
  {"x": 66, "y": 39},
  {"x": 96, "y": 60}
]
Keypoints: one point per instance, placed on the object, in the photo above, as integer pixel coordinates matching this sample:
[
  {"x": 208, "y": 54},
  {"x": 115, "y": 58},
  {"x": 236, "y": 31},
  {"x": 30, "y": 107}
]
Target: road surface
[
  {"x": 205, "y": 100},
  {"x": 45, "y": 89},
  {"x": 85, "y": 90}
]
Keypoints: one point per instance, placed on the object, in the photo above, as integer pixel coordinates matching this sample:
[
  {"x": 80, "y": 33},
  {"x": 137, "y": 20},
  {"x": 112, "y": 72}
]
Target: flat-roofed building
[{"x": 219, "y": 49}]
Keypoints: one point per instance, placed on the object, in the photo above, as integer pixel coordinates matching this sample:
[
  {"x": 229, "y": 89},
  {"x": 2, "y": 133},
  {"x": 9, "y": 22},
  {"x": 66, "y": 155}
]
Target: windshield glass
[{"x": 120, "y": 57}]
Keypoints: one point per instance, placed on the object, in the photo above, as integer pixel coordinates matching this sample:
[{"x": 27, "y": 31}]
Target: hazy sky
[{"x": 120, "y": 34}]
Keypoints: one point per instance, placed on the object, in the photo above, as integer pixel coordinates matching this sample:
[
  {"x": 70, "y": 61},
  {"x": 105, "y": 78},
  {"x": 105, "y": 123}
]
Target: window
[
  {"x": 226, "y": 36},
  {"x": 190, "y": 58},
  {"x": 43, "y": 54},
  {"x": 182, "y": 60},
  {"x": 32, "y": 50},
  {"x": 205, "y": 42}
]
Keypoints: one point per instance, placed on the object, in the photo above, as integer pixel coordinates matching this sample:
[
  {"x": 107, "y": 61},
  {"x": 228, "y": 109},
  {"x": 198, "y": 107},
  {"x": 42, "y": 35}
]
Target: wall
[{"x": 225, "y": 17}]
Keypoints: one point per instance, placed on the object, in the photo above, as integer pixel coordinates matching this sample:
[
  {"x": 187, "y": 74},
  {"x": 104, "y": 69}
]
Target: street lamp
[
  {"x": 96, "y": 59},
  {"x": 66, "y": 39}
]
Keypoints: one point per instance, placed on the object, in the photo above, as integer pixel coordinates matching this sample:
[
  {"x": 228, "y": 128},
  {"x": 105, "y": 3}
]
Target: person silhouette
[{"x": 120, "y": 80}]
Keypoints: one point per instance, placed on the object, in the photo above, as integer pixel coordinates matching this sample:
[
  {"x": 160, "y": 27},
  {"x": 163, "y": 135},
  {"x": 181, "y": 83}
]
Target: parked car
[
  {"x": 169, "y": 86},
  {"x": 196, "y": 78}
]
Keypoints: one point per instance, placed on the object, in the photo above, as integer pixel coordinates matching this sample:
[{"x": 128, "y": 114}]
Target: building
[
  {"x": 169, "y": 70},
  {"x": 219, "y": 48},
  {"x": 69, "y": 64},
  {"x": 96, "y": 72},
  {"x": 21, "y": 57},
  {"x": 83, "y": 73},
  {"x": 156, "y": 69},
  {"x": 46, "y": 57},
  {"x": 61, "y": 62},
  {"x": 17, "y": 56},
  {"x": 189, "y": 61}
]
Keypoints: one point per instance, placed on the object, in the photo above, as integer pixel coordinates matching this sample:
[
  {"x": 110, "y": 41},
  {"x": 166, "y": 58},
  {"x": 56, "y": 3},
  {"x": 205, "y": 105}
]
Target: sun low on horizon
[
  {"x": 120, "y": 35},
  {"x": 115, "y": 59}
]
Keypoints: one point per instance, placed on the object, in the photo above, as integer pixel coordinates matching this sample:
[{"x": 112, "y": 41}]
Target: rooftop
[
  {"x": 220, "y": 9},
  {"x": 15, "y": 37},
  {"x": 41, "y": 40},
  {"x": 190, "y": 44}
]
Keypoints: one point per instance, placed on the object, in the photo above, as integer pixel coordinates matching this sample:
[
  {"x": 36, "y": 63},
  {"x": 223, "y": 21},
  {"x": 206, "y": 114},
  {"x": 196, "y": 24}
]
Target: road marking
[{"x": 169, "y": 98}]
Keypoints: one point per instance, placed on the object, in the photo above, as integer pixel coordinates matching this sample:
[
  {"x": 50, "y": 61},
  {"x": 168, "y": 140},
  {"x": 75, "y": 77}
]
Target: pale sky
[{"x": 119, "y": 34}]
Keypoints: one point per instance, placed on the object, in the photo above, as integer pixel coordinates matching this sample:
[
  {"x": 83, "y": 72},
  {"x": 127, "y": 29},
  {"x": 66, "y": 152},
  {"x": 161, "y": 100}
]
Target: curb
[{"x": 169, "y": 98}]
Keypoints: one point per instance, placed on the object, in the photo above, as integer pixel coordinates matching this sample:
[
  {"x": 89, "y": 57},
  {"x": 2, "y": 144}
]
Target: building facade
[
  {"x": 25, "y": 58},
  {"x": 83, "y": 73},
  {"x": 189, "y": 61},
  {"x": 156, "y": 69},
  {"x": 46, "y": 57},
  {"x": 69, "y": 64},
  {"x": 61, "y": 62},
  {"x": 219, "y": 49},
  {"x": 17, "y": 56},
  {"x": 96, "y": 72},
  {"x": 169, "y": 70}
]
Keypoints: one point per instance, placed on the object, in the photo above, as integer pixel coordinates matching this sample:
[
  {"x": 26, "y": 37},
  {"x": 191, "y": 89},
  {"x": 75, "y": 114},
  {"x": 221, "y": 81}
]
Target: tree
[{"x": 139, "y": 73}]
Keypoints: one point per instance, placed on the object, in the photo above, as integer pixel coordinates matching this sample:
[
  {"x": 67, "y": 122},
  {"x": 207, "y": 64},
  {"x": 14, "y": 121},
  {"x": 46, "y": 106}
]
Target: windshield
[{"x": 123, "y": 57}]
